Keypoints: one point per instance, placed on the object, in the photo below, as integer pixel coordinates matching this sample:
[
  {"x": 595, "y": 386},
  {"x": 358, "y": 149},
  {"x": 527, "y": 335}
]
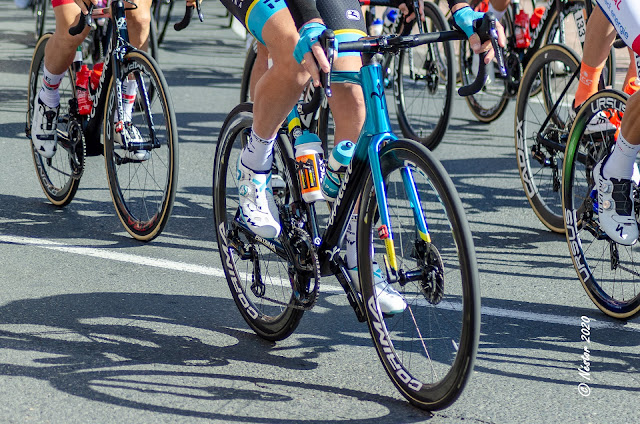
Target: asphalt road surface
[{"x": 96, "y": 327}]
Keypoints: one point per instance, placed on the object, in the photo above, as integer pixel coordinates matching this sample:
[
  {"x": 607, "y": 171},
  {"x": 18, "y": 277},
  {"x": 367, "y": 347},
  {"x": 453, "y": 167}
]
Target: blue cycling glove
[
  {"x": 309, "y": 34},
  {"x": 464, "y": 19}
]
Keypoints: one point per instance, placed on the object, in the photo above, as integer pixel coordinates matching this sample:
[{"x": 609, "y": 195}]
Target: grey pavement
[{"x": 96, "y": 327}]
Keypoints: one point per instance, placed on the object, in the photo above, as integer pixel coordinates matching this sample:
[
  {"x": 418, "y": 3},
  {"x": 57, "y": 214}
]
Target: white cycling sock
[
  {"x": 350, "y": 238},
  {"x": 620, "y": 163},
  {"x": 129, "y": 90},
  {"x": 257, "y": 155},
  {"x": 49, "y": 93}
]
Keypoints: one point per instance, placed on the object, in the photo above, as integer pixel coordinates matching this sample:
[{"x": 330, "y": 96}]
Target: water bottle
[
  {"x": 82, "y": 90},
  {"x": 376, "y": 27},
  {"x": 336, "y": 167},
  {"x": 310, "y": 165},
  {"x": 96, "y": 73},
  {"x": 390, "y": 17},
  {"x": 523, "y": 38},
  {"x": 77, "y": 60}
]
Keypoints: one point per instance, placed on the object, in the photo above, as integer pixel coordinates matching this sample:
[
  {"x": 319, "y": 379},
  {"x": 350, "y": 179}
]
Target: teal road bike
[{"x": 409, "y": 212}]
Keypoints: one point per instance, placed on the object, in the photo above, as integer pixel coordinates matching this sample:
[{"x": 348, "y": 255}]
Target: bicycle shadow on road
[{"x": 180, "y": 355}]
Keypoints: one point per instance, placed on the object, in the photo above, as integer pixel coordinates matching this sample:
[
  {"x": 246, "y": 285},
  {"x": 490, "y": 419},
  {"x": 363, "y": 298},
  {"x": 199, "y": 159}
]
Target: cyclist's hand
[
  {"x": 308, "y": 51},
  {"x": 464, "y": 18},
  {"x": 192, "y": 3},
  {"x": 404, "y": 9},
  {"x": 84, "y": 5}
]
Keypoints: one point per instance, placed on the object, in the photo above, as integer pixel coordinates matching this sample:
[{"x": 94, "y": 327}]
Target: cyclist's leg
[
  {"x": 280, "y": 86},
  {"x": 499, "y": 8},
  {"x": 598, "y": 39},
  {"x": 59, "y": 54},
  {"x": 138, "y": 21},
  {"x": 260, "y": 66}
]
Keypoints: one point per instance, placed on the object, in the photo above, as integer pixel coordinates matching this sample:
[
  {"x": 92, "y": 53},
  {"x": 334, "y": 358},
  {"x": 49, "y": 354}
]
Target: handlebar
[
  {"x": 85, "y": 20},
  {"x": 485, "y": 28},
  {"x": 188, "y": 13}
]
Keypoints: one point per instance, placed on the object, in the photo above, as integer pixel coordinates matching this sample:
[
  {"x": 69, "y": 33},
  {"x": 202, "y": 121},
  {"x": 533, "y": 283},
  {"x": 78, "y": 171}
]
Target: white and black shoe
[
  {"x": 258, "y": 209},
  {"x": 44, "y": 126},
  {"x": 615, "y": 206},
  {"x": 391, "y": 302},
  {"x": 130, "y": 135}
]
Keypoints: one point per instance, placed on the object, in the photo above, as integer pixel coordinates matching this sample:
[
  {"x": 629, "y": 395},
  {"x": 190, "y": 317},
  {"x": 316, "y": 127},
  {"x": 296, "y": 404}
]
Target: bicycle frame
[
  {"x": 554, "y": 6},
  {"x": 118, "y": 47}
]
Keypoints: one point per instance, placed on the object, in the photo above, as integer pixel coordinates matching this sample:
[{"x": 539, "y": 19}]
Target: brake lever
[
  {"x": 85, "y": 20},
  {"x": 327, "y": 40},
  {"x": 416, "y": 10},
  {"x": 486, "y": 30},
  {"x": 188, "y": 13}
]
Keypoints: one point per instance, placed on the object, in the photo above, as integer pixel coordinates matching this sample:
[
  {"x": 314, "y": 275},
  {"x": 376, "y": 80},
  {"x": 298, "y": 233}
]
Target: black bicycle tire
[
  {"x": 586, "y": 269},
  {"x": 153, "y": 40},
  {"x": 151, "y": 229},
  {"x": 162, "y": 20},
  {"x": 40, "y": 10},
  {"x": 58, "y": 196},
  {"x": 409, "y": 129},
  {"x": 553, "y": 221},
  {"x": 439, "y": 394},
  {"x": 267, "y": 327},
  {"x": 249, "y": 62}
]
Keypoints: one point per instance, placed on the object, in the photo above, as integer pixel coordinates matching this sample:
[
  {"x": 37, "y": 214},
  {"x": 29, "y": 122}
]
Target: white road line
[{"x": 216, "y": 272}]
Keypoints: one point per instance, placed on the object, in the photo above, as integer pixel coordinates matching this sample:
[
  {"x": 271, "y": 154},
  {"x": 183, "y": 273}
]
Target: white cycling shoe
[
  {"x": 44, "y": 134},
  {"x": 390, "y": 301},
  {"x": 258, "y": 209},
  {"x": 131, "y": 135},
  {"x": 615, "y": 207}
]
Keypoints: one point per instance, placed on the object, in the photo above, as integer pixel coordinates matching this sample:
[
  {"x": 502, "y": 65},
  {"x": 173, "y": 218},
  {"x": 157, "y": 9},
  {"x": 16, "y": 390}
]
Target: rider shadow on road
[{"x": 172, "y": 354}]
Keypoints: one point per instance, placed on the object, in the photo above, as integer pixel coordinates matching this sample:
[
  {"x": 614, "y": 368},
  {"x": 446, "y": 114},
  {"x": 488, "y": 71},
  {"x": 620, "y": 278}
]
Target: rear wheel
[
  {"x": 59, "y": 176},
  {"x": 259, "y": 277},
  {"x": 609, "y": 272},
  {"x": 424, "y": 84},
  {"x": 40, "y": 12},
  {"x": 162, "y": 15},
  {"x": 546, "y": 90},
  {"x": 428, "y": 350},
  {"x": 143, "y": 190}
]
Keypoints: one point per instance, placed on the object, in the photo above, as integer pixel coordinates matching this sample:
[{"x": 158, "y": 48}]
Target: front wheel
[
  {"x": 260, "y": 279},
  {"x": 142, "y": 184},
  {"x": 608, "y": 271},
  {"x": 428, "y": 350}
]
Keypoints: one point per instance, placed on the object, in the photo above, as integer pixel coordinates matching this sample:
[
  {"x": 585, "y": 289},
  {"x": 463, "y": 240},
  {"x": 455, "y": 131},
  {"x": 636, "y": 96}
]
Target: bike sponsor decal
[
  {"x": 336, "y": 206},
  {"x": 529, "y": 186},
  {"x": 269, "y": 245},
  {"x": 389, "y": 354},
  {"x": 332, "y": 252},
  {"x": 575, "y": 245},
  {"x": 231, "y": 274},
  {"x": 604, "y": 103},
  {"x": 121, "y": 23},
  {"x": 98, "y": 93}
]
